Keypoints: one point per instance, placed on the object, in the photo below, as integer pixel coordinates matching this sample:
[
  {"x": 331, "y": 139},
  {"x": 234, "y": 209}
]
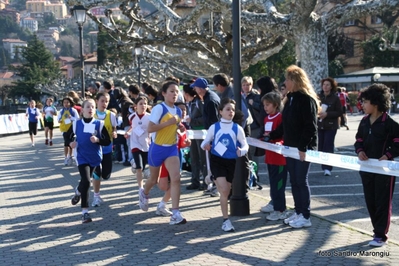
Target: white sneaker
[
  {"x": 215, "y": 192},
  {"x": 227, "y": 226},
  {"x": 143, "y": 200},
  {"x": 97, "y": 201},
  {"x": 327, "y": 172},
  {"x": 66, "y": 161},
  {"x": 277, "y": 215},
  {"x": 177, "y": 219},
  {"x": 300, "y": 222},
  {"x": 377, "y": 242},
  {"x": 267, "y": 208},
  {"x": 70, "y": 161},
  {"x": 146, "y": 173},
  {"x": 291, "y": 218},
  {"x": 163, "y": 211},
  {"x": 33, "y": 144}
]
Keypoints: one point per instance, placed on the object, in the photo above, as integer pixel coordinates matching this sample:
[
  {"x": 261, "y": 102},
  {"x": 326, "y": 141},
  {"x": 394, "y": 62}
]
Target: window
[
  {"x": 376, "y": 20},
  {"x": 350, "y": 23},
  {"x": 349, "y": 46}
]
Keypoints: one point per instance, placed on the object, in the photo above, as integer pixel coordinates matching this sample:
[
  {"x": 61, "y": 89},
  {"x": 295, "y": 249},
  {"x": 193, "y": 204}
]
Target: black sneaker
[
  {"x": 86, "y": 218},
  {"x": 76, "y": 198},
  {"x": 127, "y": 163}
]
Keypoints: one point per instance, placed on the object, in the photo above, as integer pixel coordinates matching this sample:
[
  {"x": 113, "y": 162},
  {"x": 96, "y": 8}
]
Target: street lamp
[
  {"x": 79, "y": 12},
  {"x": 138, "y": 52}
]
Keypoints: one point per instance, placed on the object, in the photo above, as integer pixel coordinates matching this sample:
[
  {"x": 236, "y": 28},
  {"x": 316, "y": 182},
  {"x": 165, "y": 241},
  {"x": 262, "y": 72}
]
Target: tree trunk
[{"x": 312, "y": 42}]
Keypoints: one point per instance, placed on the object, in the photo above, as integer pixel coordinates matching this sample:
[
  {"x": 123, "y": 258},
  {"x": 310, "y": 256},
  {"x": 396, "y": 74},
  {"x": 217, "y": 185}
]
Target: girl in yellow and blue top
[
  {"x": 226, "y": 141},
  {"x": 104, "y": 170},
  {"x": 164, "y": 121},
  {"x": 90, "y": 134},
  {"x": 49, "y": 111},
  {"x": 33, "y": 115},
  {"x": 66, "y": 116}
]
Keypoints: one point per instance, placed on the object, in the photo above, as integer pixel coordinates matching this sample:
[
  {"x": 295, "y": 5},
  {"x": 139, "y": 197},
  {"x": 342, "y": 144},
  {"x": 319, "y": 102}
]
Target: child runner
[
  {"x": 163, "y": 181},
  {"x": 228, "y": 143},
  {"x": 275, "y": 162},
  {"x": 164, "y": 122},
  {"x": 33, "y": 115},
  {"x": 104, "y": 170},
  {"x": 66, "y": 116},
  {"x": 90, "y": 134},
  {"x": 377, "y": 137},
  {"x": 139, "y": 137},
  {"x": 49, "y": 111}
]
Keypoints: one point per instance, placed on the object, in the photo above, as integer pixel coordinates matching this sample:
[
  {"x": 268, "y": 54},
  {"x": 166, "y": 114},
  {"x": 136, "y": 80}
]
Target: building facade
[{"x": 11, "y": 45}]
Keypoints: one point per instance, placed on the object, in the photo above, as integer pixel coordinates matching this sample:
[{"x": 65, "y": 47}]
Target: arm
[
  {"x": 392, "y": 149},
  {"x": 257, "y": 105},
  {"x": 309, "y": 123},
  {"x": 205, "y": 145},
  {"x": 241, "y": 151},
  {"x": 277, "y": 133},
  {"x": 213, "y": 114},
  {"x": 359, "y": 142}
]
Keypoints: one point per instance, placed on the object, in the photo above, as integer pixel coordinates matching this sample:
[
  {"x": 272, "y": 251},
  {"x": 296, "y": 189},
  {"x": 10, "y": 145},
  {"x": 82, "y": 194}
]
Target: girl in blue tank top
[{"x": 226, "y": 141}]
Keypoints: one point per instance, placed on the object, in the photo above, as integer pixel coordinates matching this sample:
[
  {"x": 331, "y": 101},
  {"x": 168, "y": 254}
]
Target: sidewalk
[{"x": 39, "y": 226}]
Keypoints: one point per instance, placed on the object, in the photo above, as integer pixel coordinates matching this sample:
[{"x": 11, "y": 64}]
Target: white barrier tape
[{"x": 337, "y": 160}]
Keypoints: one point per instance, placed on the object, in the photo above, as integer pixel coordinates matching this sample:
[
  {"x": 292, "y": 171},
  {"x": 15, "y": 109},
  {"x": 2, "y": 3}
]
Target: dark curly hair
[{"x": 378, "y": 94}]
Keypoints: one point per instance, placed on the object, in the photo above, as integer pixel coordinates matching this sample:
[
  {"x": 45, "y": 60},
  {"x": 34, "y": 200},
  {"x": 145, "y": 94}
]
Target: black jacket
[
  {"x": 299, "y": 126},
  {"x": 380, "y": 138},
  {"x": 210, "y": 112},
  {"x": 255, "y": 109},
  {"x": 334, "y": 111}
]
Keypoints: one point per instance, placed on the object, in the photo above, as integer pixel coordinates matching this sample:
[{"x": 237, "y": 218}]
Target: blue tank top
[
  {"x": 88, "y": 152},
  {"x": 227, "y": 140},
  {"x": 32, "y": 115}
]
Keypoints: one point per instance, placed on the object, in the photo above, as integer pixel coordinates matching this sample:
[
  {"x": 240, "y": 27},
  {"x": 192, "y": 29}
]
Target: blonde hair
[
  {"x": 301, "y": 82},
  {"x": 247, "y": 79},
  {"x": 88, "y": 100}
]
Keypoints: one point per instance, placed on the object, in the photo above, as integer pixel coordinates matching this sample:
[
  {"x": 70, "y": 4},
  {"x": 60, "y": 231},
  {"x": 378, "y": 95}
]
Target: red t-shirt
[{"x": 271, "y": 122}]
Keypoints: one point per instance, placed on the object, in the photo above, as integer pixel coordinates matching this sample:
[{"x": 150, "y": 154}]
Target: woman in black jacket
[
  {"x": 331, "y": 110},
  {"x": 299, "y": 130}
]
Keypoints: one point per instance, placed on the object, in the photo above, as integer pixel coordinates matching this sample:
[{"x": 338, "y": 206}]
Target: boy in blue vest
[{"x": 33, "y": 115}]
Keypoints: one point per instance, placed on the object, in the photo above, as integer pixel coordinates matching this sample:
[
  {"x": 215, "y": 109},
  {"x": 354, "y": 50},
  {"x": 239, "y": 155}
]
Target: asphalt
[{"x": 39, "y": 226}]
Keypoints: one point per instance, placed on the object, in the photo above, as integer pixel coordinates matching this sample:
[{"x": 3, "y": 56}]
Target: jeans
[
  {"x": 198, "y": 162},
  {"x": 300, "y": 185},
  {"x": 326, "y": 143}
]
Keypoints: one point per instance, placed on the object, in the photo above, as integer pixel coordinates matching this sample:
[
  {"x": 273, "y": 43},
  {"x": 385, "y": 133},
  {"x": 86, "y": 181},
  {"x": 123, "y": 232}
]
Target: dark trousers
[
  {"x": 278, "y": 181},
  {"x": 326, "y": 143},
  {"x": 378, "y": 192},
  {"x": 198, "y": 162},
  {"x": 300, "y": 185},
  {"x": 104, "y": 170},
  {"x": 86, "y": 172}
]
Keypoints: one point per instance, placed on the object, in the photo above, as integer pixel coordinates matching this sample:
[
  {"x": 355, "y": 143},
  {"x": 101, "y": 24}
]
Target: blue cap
[{"x": 200, "y": 82}]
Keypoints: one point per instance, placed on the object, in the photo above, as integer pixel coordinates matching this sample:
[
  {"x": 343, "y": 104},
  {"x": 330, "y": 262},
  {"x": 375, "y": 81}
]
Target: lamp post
[
  {"x": 138, "y": 52},
  {"x": 239, "y": 202},
  {"x": 79, "y": 13}
]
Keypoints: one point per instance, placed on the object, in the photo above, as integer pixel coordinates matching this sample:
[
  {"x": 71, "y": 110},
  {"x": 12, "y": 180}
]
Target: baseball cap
[{"x": 200, "y": 82}]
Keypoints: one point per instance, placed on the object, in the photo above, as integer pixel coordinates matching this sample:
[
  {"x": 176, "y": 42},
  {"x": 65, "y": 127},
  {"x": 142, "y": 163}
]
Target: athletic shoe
[
  {"x": 208, "y": 191},
  {"x": 291, "y": 218},
  {"x": 163, "y": 211},
  {"x": 377, "y": 242},
  {"x": 51, "y": 143},
  {"x": 227, "y": 226},
  {"x": 146, "y": 173},
  {"x": 86, "y": 218},
  {"x": 300, "y": 222},
  {"x": 192, "y": 187},
  {"x": 127, "y": 163},
  {"x": 277, "y": 215},
  {"x": 177, "y": 219},
  {"x": 70, "y": 161},
  {"x": 267, "y": 208},
  {"x": 46, "y": 142},
  {"x": 66, "y": 161},
  {"x": 327, "y": 172},
  {"x": 143, "y": 200},
  {"x": 97, "y": 201},
  {"x": 214, "y": 192},
  {"x": 33, "y": 144},
  {"x": 76, "y": 198}
]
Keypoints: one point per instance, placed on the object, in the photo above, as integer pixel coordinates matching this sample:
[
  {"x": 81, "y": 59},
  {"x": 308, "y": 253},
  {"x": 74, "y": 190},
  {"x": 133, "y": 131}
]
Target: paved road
[{"x": 39, "y": 226}]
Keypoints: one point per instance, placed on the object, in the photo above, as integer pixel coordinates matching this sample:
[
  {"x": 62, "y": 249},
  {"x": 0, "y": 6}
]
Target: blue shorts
[{"x": 158, "y": 154}]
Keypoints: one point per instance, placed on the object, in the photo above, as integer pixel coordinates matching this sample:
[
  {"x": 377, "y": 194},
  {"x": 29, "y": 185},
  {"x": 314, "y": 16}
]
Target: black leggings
[
  {"x": 86, "y": 172},
  {"x": 104, "y": 170}
]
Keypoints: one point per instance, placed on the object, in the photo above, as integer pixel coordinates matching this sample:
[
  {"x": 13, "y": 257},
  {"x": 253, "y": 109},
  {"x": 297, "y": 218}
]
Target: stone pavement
[{"x": 39, "y": 226}]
